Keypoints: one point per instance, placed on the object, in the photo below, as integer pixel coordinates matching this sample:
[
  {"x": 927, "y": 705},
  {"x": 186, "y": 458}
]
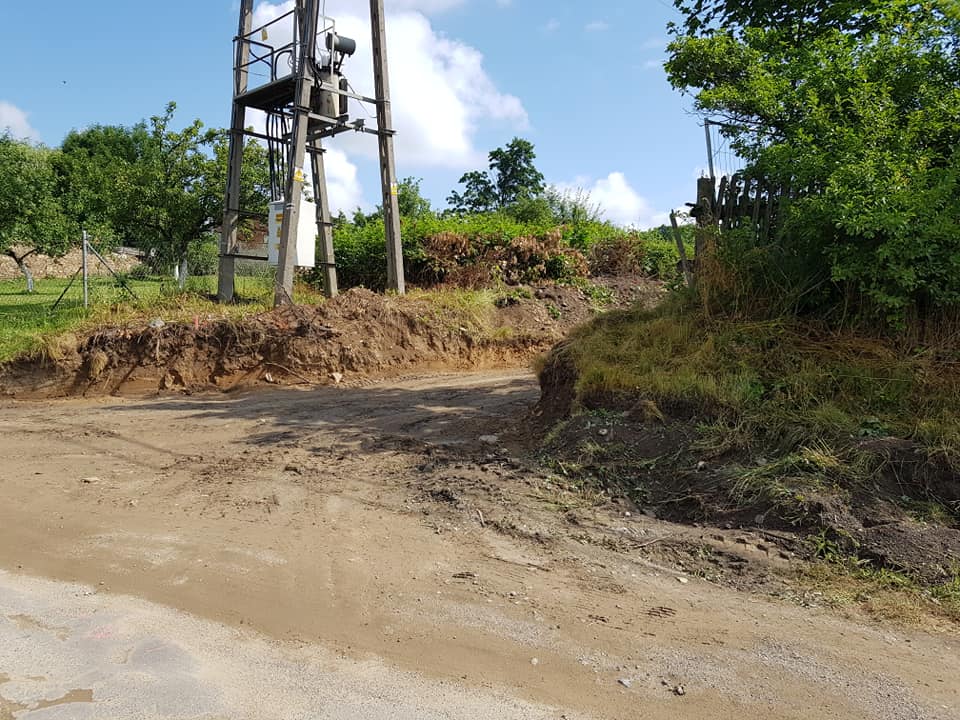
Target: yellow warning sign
[
  {"x": 298, "y": 175},
  {"x": 393, "y": 189}
]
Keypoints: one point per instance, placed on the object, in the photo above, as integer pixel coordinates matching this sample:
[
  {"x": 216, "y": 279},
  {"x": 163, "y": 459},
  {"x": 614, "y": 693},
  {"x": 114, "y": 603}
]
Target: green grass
[
  {"x": 782, "y": 380},
  {"x": 28, "y": 321}
]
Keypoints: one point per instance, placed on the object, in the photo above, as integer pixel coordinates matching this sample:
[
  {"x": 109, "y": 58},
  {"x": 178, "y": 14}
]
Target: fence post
[
  {"x": 83, "y": 265},
  {"x": 706, "y": 217},
  {"x": 681, "y": 250}
]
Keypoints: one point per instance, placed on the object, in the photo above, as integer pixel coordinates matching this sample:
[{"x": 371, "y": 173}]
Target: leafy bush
[
  {"x": 854, "y": 107},
  {"x": 203, "y": 256},
  {"x": 659, "y": 258},
  {"x": 615, "y": 256}
]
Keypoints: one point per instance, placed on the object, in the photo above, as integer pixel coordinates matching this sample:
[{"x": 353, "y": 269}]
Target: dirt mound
[
  {"x": 906, "y": 517},
  {"x": 356, "y": 335}
]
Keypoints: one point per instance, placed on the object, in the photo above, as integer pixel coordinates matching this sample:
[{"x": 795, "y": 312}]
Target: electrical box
[{"x": 306, "y": 252}]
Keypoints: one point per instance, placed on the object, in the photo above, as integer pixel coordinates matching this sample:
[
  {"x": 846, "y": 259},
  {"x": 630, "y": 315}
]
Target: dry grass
[
  {"x": 883, "y": 594},
  {"x": 775, "y": 381}
]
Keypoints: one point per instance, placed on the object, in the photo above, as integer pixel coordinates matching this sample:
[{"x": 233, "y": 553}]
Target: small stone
[
  {"x": 268, "y": 377},
  {"x": 489, "y": 439},
  {"x": 90, "y": 480},
  {"x": 678, "y": 690},
  {"x": 535, "y": 661},
  {"x": 157, "y": 323},
  {"x": 603, "y": 432},
  {"x": 701, "y": 465},
  {"x": 682, "y": 580},
  {"x": 624, "y": 682},
  {"x": 337, "y": 377}
]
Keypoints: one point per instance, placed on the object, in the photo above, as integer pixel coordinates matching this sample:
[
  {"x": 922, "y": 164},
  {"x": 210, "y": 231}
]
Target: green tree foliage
[
  {"x": 96, "y": 176},
  {"x": 30, "y": 216},
  {"x": 410, "y": 200},
  {"x": 512, "y": 176},
  {"x": 156, "y": 187},
  {"x": 856, "y": 103},
  {"x": 177, "y": 203}
]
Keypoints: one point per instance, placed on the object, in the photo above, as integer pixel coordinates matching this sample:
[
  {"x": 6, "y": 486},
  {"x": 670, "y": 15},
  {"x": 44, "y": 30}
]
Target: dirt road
[{"x": 361, "y": 552}]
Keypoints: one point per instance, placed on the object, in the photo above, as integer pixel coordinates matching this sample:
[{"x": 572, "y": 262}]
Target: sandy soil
[{"x": 391, "y": 527}]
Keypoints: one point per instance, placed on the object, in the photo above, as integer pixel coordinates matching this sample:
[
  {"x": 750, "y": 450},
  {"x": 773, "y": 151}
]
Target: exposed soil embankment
[
  {"x": 356, "y": 335},
  {"x": 888, "y": 501}
]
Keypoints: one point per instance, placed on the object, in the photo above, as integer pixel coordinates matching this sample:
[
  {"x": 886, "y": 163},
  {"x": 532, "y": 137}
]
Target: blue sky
[{"x": 582, "y": 81}]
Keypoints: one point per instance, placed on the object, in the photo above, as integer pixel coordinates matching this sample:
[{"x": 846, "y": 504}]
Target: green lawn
[{"x": 26, "y": 320}]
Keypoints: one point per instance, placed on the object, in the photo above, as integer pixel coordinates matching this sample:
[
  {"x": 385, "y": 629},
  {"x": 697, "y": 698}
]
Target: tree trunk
[
  {"x": 19, "y": 260},
  {"x": 182, "y": 272}
]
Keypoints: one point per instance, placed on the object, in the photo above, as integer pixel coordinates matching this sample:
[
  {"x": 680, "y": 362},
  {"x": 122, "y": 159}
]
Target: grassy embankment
[
  {"x": 28, "y": 322},
  {"x": 779, "y": 415},
  {"x": 28, "y": 325}
]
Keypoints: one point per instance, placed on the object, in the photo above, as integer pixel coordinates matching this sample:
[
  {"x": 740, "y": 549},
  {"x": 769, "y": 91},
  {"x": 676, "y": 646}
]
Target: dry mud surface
[{"x": 380, "y": 551}]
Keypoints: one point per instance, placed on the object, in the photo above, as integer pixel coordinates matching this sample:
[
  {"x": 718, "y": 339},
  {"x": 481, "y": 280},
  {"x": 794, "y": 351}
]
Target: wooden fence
[{"x": 750, "y": 202}]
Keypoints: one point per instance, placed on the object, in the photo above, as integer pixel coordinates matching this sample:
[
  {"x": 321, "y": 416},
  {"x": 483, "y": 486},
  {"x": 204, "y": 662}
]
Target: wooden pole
[
  {"x": 684, "y": 263},
  {"x": 388, "y": 169},
  {"x": 293, "y": 195},
  {"x": 230, "y": 229}
]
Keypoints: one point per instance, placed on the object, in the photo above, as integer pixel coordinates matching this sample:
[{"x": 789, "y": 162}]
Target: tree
[
  {"x": 30, "y": 216},
  {"x": 96, "y": 176},
  {"x": 855, "y": 102},
  {"x": 511, "y": 177},
  {"x": 413, "y": 205},
  {"x": 479, "y": 193},
  {"x": 173, "y": 201}
]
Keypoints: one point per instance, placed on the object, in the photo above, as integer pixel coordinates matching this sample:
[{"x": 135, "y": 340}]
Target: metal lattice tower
[{"x": 305, "y": 99}]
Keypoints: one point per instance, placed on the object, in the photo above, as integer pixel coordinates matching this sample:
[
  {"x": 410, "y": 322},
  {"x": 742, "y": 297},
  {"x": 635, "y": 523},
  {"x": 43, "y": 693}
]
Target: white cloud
[
  {"x": 343, "y": 188},
  {"x": 618, "y": 201},
  {"x": 596, "y": 26},
  {"x": 424, "y": 6},
  {"x": 16, "y": 121},
  {"x": 440, "y": 91},
  {"x": 552, "y": 25}
]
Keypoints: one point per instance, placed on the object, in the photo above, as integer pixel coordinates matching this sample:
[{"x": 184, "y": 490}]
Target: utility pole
[
  {"x": 388, "y": 167},
  {"x": 324, "y": 221},
  {"x": 305, "y": 97},
  {"x": 706, "y": 129},
  {"x": 293, "y": 195},
  {"x": 231, "y": 208}
]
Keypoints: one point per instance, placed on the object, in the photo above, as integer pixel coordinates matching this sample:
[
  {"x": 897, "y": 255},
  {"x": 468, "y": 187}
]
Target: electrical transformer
[{"x": 306, "y": 250}]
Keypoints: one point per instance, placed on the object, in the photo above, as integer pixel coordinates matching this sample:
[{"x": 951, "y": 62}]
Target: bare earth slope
[{"x": 362, "y": 552}]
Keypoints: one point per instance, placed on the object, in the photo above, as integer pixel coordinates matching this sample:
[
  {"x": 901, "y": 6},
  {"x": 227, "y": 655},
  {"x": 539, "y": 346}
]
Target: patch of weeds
[
  {"x": 721, "y": 437},
  {"x": 513, "y": 297},
  {"x": 555, "y": 432},
  {"x": 928, "y": 512},
  {"x": 785, "y": 484},
  {"x": 872, "y": 427},
  {"x": 600, "y": 297},
  {"x": 823, "y": 548},
  {"x": 948, "y": 596},
  {"x": 608, "y": 416},
  {"x": 566, "y": 496},
  {"x": 554, "y": 311}
]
